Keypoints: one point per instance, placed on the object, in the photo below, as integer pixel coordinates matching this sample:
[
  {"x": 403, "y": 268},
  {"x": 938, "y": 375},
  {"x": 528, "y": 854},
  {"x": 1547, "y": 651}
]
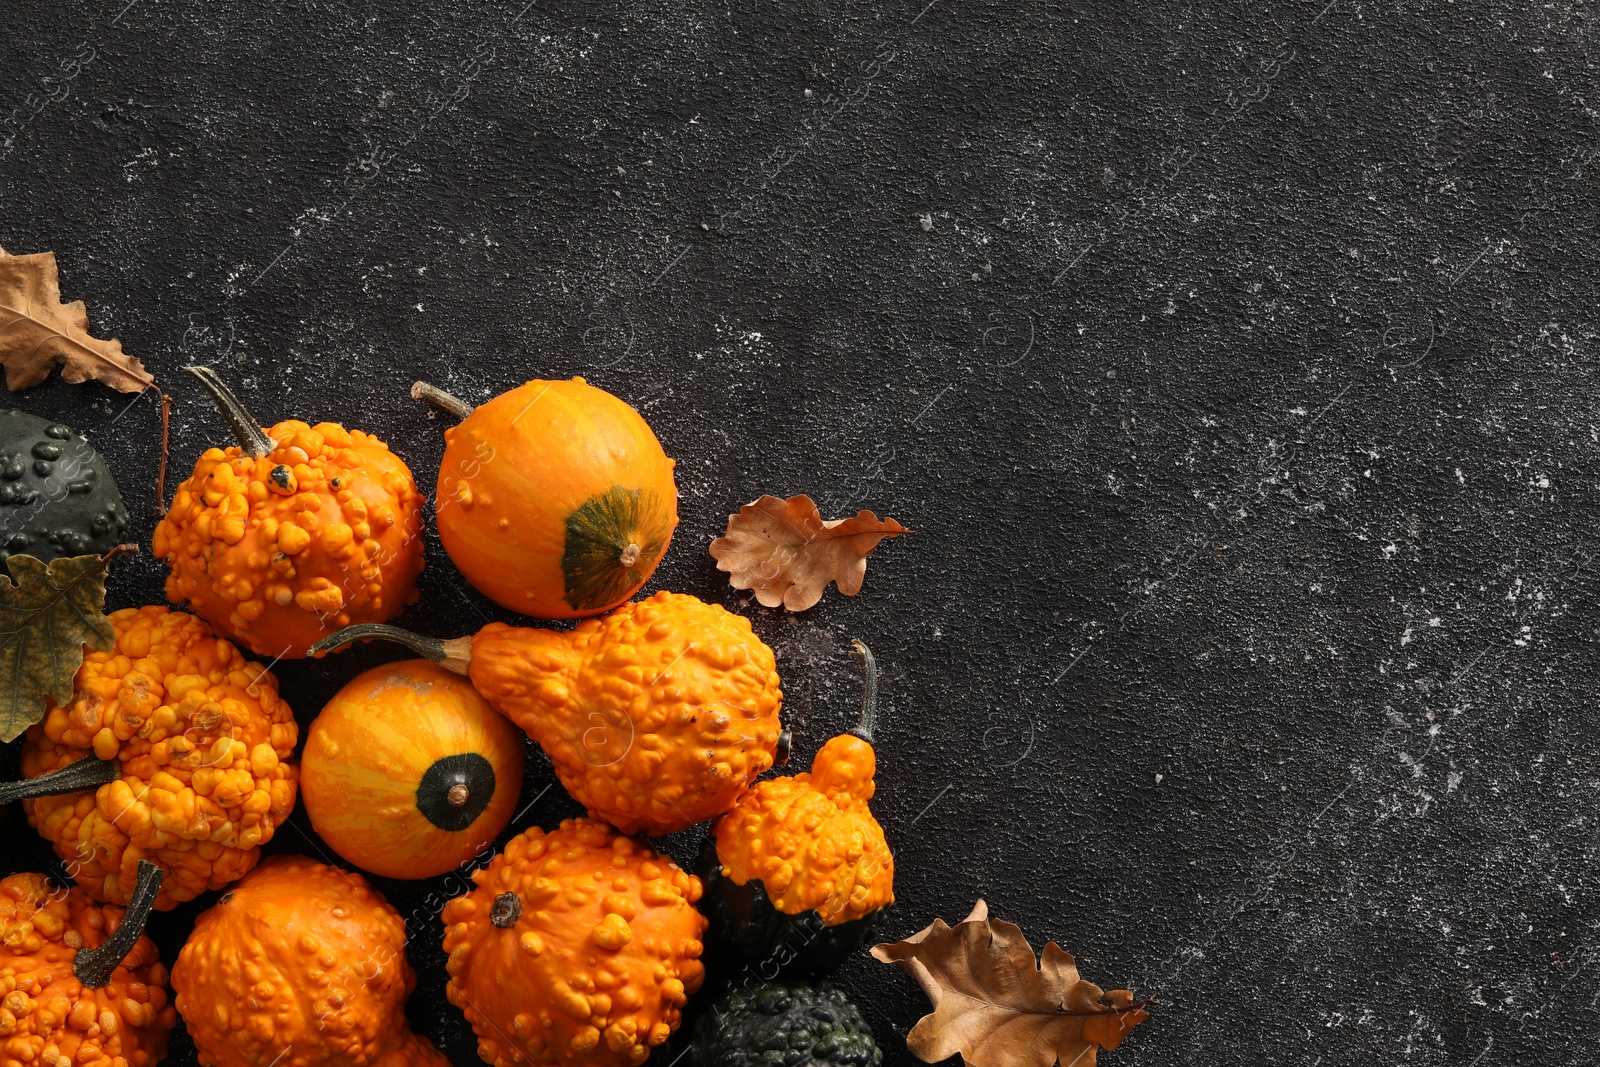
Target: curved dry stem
[
  {"x": 95, "y": 966},
  {"x": 253, "y": 440},
  {"x": 445, "y": 402},
  {"x": 454, "y": 655},
  {"x": 92, "y": 772},
  {"x": 869, "y": 690}
]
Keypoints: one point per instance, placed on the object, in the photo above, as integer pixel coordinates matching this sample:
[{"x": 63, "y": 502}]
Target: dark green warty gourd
[
  {"x": 57, "y": 497},
  {"x": 784, "y": 1024}
]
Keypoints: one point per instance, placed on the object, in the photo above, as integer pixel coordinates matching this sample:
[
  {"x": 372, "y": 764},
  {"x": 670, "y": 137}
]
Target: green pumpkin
[
  {"x": 784, "y": 1024},
  {"x": 57, "y": 497}
]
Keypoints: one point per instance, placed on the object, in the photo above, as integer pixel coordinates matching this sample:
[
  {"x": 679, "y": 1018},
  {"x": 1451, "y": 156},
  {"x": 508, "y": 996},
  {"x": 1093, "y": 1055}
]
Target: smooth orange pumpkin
[
  {"x": 555, "y": 499},
  {"x": 408, "y": 772}
]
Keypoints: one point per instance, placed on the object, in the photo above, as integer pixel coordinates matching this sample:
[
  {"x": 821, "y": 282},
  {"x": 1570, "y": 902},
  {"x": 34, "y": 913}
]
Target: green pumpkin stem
[
  {"x": 95, "y": 966},
  {"x": 432, "y": 394},
  {"x": 454, "y": 655},
  {"x": 253, "y": 441},
  {"x": 91, "y": 772},
  {"x": 869, "y": 691}
]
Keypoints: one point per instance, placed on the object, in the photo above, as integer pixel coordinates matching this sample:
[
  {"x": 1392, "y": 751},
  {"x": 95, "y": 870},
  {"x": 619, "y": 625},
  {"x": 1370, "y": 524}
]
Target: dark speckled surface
[{"x": 1238, "y": 361}]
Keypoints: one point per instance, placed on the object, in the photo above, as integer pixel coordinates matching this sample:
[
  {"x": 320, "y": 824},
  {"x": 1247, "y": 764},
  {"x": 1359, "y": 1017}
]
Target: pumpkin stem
[
  {"x": 454, "y": 655},
  {"x": 432, "y": 394},
  {"x": 506, "y": 910},
  {"x": 630, "y": 555},
  {"x": 253, "y": 441},
  {"x": 95, "y": 966},
  {"x": 869, "y": 690},
  {"x": 91, "y": 772}
]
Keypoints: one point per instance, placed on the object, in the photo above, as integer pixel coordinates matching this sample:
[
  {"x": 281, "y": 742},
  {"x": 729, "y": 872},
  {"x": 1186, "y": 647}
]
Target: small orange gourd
[
  {"x": 79, "y": 983},
  {"x": 798, "y": 871},
  {"x": 555, "y": 499},
  {"x": 655, "y": 717},
  {"x": 408, "y": 773},
  {"x": 175, "y": 749},
  {"x": 578, "y": 946},
  {"x": 300, "y": 965},
  {"x": 296, "y": 531}
]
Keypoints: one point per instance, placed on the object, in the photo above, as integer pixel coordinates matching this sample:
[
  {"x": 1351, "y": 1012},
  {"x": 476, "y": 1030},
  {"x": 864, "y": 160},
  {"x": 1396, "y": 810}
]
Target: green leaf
[{"x": 47, "y": 615}]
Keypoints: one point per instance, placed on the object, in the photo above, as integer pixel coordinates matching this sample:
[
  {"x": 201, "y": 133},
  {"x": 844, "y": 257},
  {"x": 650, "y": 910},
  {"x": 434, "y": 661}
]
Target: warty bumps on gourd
[
  {"x": 195, "y": 749},
  {"x": 292, "y": 533},
  {"x": 576, "y": 946},
  {"x": 79, "y": 983},
  {"x": 300, "y": 965}
]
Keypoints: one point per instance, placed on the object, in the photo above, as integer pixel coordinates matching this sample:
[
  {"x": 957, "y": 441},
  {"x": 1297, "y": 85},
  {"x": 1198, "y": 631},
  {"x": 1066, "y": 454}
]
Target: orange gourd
[
  {"x": 175, "y": 749},
  {"x": 578, "y": 946},
  {"x": 293, "y": 533},
  {"x": 408, "y": 773},
  {"x": 798, "y": 871},
  {"x": 300, "y": 965},
  {"x": 79, "y": 983},
  {"x": 655, "y": 717},
  {"x": 555, "y": 499}
]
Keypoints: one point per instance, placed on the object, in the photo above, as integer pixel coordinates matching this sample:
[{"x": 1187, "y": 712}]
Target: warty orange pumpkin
[
  {"x": 408, "y": 773},
  {"x": 798, "y": 872},
  {"x": 175, "y": 749},
  {"x": 577, "y": 946},
  {"x": 300, "y": 965},
  {"x": 79, "y": 983},
  {"x": 555, "y": 499},
  {"x": 291, "y": 534},
  {"x": 655, "y": 717}
]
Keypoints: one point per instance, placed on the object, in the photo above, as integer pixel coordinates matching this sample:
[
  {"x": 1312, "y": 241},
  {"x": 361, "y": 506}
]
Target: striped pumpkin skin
[
  {"x": 382, "y": 757},
  {"x": 555, "y": 499}
]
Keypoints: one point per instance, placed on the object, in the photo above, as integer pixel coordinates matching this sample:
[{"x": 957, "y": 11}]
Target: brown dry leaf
[
  {"x": 995, "y": 1006},
  {"x": 38, "y": 332},
  {"x": 787, "y": 554}
]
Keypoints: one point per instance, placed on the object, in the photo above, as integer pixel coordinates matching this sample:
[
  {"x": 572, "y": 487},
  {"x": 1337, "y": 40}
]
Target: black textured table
[{"x": 1238, "y": 362}]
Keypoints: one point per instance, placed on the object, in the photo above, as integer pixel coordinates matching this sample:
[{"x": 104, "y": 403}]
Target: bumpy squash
[
  {"x": 784, "y": 1024},
  {"x": 555, "y": 498},
  {"x": 576, "y": 946},
  {"x": 57, "y": 497},
  {"x": 300, "y": 965},
  {"x": 655, "y": 717},
  {"x": 408, "y": 772},
  {"x": 79, "y": 983},
  {"x": 174, "y": 749},
  {"x": 798, "y": 872},
  {"x": 292, "y": 533}
]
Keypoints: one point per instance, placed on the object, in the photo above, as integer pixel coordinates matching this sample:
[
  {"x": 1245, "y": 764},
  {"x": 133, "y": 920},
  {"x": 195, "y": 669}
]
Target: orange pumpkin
[
  {"x": 555, "y": 499},
  {"x": 292, "y": 533},
  {"x": 80, "y": 982},
  {"x": 577, "y": 946},
  {"x": 408, "y": 772},
  {"x": 300, "y": 965}
]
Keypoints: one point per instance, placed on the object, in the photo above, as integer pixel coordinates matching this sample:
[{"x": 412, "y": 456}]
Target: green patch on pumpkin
[{"x": 613, "y": 542}]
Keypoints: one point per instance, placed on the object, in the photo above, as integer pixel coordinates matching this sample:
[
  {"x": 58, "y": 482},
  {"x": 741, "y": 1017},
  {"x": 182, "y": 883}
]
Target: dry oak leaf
[
  {"x": 784, "y": 552},
  {"x": 38, "y": 332},
  {"x": 995, "y": 1006},
  {"x": 47, "y": 615}
]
